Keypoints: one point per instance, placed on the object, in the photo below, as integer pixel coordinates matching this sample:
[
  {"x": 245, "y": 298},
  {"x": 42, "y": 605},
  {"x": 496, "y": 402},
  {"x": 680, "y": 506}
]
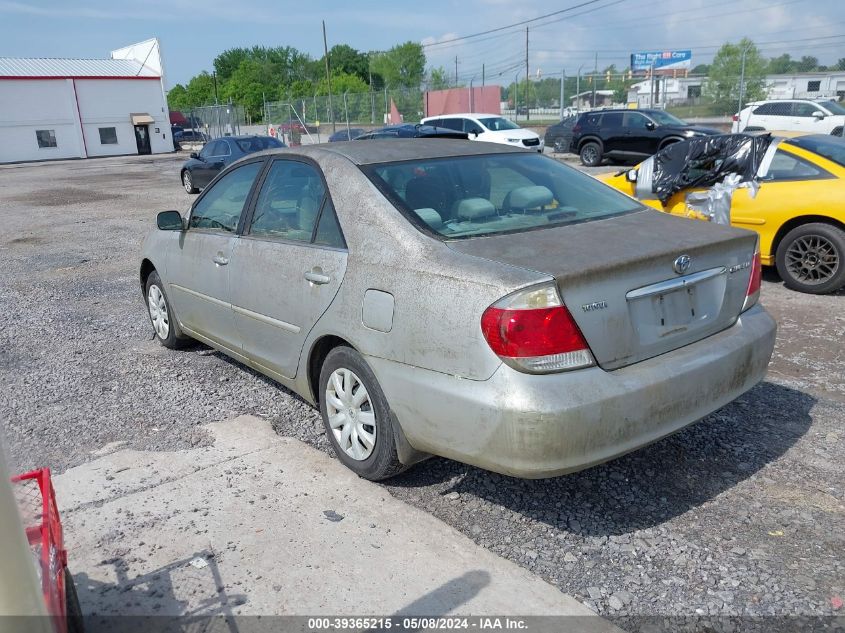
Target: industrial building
[{"x": 79, "y": 108}]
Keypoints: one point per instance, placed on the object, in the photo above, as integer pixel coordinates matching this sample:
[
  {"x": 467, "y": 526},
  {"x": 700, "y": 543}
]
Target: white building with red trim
[{"x": 79, "y": 108}]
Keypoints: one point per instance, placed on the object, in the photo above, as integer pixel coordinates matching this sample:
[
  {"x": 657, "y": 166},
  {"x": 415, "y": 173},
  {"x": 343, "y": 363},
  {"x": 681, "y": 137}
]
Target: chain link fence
[{"x": 210, "y": 122}]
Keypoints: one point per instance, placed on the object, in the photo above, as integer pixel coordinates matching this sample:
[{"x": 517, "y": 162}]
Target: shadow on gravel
[{"x": 649, "y": 486}]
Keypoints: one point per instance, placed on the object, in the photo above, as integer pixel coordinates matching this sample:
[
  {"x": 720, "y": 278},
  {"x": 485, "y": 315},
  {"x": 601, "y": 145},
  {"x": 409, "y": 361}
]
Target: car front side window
[{"x": 220, "y": 207}]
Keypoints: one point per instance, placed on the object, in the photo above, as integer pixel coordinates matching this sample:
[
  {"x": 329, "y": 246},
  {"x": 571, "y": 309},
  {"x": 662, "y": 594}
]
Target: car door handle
[
  {"x": 220, "y": 260},
  {"x": 316, "y": 276}
]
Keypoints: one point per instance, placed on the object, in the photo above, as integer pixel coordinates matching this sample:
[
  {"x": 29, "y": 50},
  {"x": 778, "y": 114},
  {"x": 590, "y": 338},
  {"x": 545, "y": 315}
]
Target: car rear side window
[
  {"x": 451, "y": 124},
  {"x": 328, "y": 228},
  {"x": 786, "y": 166},
  {"x": 220, "y": 207},
  {"x": 469, "y": 196},
  {"x": 289, "y": 202},
  {"x": 612, "y": 119},
  {"x": 592, "y": 119}
]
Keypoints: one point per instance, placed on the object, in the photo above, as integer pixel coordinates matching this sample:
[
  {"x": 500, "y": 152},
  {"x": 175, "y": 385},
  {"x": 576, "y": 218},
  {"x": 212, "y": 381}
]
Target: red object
[
  {"x": 40, "y": 514},
  {"x": 531, "y": 332},
  {"x": 484, "y": 99},
  {"x": 735, "y": 117},
  {"x": 177, "y": 118},
  {"x": 756, "y": 274}
]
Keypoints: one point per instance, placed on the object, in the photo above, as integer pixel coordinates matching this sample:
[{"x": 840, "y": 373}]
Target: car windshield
[
  {"x": 831, "y": 147},
  {"x": 469, "y": 196},
  {"x": 258, "y": 143},
  {"x": 664, "y": 118},
  {"x": 498, "y": 123},
  {"x": 832, "y": 106}
]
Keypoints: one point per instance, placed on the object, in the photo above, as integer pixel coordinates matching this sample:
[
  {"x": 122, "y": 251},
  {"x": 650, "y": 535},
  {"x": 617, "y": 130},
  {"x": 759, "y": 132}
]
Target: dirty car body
[{"x": 515, "y": 313}]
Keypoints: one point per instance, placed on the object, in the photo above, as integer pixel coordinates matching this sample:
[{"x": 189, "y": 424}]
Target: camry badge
[
  {"x": 595, "y": 305},
  {"x": 682, "y": 264}
]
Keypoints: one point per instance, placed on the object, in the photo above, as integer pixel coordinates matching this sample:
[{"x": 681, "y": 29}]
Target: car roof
[
  {"x": 363, "y": 153},
  {"x": 471, "y": 115}
]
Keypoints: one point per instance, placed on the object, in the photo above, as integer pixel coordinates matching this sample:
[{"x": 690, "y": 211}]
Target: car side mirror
[
  {"x": 631, "y": 175},
  {"x": 194, "y": 155},
  {"x": 170, "y": 221},
  {"x": 818, "y": 114},
  {"x": 650, "y": 126},
  {"x": 472, "y": 135}
]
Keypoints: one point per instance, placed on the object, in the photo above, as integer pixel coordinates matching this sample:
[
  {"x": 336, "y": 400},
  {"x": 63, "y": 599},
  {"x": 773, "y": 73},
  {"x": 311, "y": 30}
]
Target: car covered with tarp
[{"x": 791, "y": 191}]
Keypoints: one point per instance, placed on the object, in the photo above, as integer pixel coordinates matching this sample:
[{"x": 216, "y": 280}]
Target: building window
[
  {"x": 814, "y": 86},
  {"x": 46, "y": 138},
  {"x": 108, "y": 136},
  {"x": 693, "y": 92}
]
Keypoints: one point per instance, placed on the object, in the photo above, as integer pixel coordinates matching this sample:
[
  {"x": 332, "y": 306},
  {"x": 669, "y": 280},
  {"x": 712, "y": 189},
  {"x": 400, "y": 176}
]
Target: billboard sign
[{"x": 661, "y": 61}]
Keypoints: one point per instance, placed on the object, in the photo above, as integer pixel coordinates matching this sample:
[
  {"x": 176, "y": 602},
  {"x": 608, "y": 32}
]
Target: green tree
[
  {"x": 344, "y": 59},
  {"x": 722, "y": 86},
  {"x": 807, "y": 64},
  {"x": 403, "y": 66},
  {"x": 177, "y": 98},
  {"x": 248, "y": 86},
  {"x": 840, "y": 65},
  {"x": 342, "y": 82},
  {"x": 782, "y": 65},
  {"x": 701, "y": 70},
  {"x": 438, "y": 78}
]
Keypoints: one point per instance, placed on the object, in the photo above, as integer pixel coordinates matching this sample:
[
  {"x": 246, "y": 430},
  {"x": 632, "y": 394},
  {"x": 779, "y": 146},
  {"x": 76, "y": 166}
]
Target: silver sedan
[{"x": 468, "y": 300}]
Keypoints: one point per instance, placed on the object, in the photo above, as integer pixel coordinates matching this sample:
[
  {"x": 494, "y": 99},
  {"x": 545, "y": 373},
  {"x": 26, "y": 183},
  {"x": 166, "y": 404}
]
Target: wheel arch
[
  {"x": 590, "y": 139},
  {"x": 317, "y": 356},
  {"x": 795, "y": 222},
  {"x": 669, "y": 140},
  {"x": 147, "y": 267}
]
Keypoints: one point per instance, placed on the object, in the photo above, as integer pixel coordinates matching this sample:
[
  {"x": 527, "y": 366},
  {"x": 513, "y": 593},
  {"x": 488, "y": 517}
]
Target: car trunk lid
[{"x": 619, "y": 279}]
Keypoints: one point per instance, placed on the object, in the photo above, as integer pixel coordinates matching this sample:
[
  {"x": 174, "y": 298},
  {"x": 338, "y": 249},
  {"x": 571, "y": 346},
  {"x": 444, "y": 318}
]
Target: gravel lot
[{"x": 742, "y": 513}]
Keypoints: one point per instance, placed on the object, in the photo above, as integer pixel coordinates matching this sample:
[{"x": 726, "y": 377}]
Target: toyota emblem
[{"x": 682, "y": 264}]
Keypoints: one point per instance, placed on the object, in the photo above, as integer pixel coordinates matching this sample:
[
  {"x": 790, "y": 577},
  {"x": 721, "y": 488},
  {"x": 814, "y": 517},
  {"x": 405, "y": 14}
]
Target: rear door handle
[
  {"x": 220, "y": 260},
  {"x": 316, "y": 276}
]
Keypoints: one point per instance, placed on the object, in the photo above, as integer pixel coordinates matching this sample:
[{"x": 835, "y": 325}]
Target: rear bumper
[{"x": 542, "y": 426}]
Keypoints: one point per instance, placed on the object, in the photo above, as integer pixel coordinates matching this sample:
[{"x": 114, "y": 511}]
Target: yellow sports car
[{"x": 791, "y": 191}]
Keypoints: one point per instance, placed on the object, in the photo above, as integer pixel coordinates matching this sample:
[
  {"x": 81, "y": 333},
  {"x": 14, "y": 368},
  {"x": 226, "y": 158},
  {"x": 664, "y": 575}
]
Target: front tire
[
  {"x": 163, "y": 320},
  {"x": 811, "y": 258},
  {"x": 357, "y": 417},
  {"x": 590, "y": 154},
  {"x": 188, "y": 182}
]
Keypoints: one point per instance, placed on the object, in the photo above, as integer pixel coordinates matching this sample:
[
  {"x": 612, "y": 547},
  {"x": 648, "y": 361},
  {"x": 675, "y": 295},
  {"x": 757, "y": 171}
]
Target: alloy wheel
[
  {"x": 812, "y": 259},
  {"x": 158, "y": 311},
  {"x": 186, "y": 181},
  {"x": 350, "y": 413}
]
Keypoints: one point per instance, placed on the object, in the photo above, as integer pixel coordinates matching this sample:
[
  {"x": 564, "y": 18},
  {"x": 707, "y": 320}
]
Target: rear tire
[
  {"x": 188, "y": 182},
  {"x": 811, "y": 258},
  {"x": 590, "y": 154},
  {"x": 357, "y": 417}
]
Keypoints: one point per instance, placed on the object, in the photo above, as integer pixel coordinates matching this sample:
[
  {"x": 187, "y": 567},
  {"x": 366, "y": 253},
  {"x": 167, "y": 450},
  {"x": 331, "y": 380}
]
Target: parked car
[
  {"x": 201, "y": 168},
  {"x": 489, "y": 128},
  {"x": 410, "y": 130},
  {"x": 798, "y": 210},
  {"x": 626, "y": 135},
  {"x": 190, "y": 136},
  {"x": 346, "y": 135},
  {"x": 559, "y": 135},
  {"x": 468, "y": 300},
  {"x": 793, "y": 115}
]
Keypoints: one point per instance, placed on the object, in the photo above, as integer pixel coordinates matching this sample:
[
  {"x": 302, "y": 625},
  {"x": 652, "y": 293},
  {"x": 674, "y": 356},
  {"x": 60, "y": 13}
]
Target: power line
[{"x": 515, "y": 24}]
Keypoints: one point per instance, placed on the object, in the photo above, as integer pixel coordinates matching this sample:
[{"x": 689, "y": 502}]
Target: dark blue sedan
[
  {"x": 200, "y": 169},
  {"x": 412, "y": 130},
  {"x": 346, "y": 135}
]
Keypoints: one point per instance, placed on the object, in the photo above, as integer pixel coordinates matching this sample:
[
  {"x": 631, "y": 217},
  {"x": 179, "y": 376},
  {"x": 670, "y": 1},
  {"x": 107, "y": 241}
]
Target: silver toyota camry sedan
[{"x": 474, "y": 301}]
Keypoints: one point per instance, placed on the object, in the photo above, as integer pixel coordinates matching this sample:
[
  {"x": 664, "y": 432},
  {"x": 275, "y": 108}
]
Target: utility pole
[
  {"x": 527, "y": 81},
  {"x": 742, "y": 78},
  {"x": 483, "y": 76},
  {"x": 456, "y": 71},
  {"x": 328, "y": 77},
  {"x": 214, "y": 76},
  {"x": 595, "y": 78},
  {"x": 562, "y": 90}
]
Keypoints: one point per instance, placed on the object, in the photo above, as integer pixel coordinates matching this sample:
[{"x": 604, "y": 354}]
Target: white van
[
  {"x": 490, "y": 128},
  {"x": 792, "y": 115}
]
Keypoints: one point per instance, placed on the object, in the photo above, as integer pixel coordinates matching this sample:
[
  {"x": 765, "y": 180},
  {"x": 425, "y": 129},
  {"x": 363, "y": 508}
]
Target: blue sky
[{"x": 192, "y": 32}]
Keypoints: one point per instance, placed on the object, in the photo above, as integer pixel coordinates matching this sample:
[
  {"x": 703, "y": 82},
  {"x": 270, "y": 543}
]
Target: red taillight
[
  {"x": 752, "y": 293},
  {"x": 537, "y": 339},
  {"x": 735, "y": 117}
]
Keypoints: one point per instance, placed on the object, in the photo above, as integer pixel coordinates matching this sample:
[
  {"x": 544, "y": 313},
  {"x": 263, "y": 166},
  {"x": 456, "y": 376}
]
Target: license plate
[{"x": 676, "y": 308}]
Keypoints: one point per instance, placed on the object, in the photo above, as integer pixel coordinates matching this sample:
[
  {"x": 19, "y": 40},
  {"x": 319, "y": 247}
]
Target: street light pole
[
  {"x": 516, "y": 97},
  {"x": 562, "y": 90},
  {"x": 578, "y": 90}
]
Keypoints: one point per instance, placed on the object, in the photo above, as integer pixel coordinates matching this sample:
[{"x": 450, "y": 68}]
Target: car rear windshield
[
  {"x": 498, "y": 123},
  {"x": 258, "y": 143},
  {"x": 470, "y": 196},
  {"x": 831, "y": 147}
]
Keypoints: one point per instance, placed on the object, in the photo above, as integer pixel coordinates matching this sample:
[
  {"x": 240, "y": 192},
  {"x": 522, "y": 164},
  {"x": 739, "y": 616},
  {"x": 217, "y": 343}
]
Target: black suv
[{"x": 628, "y": 134}]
